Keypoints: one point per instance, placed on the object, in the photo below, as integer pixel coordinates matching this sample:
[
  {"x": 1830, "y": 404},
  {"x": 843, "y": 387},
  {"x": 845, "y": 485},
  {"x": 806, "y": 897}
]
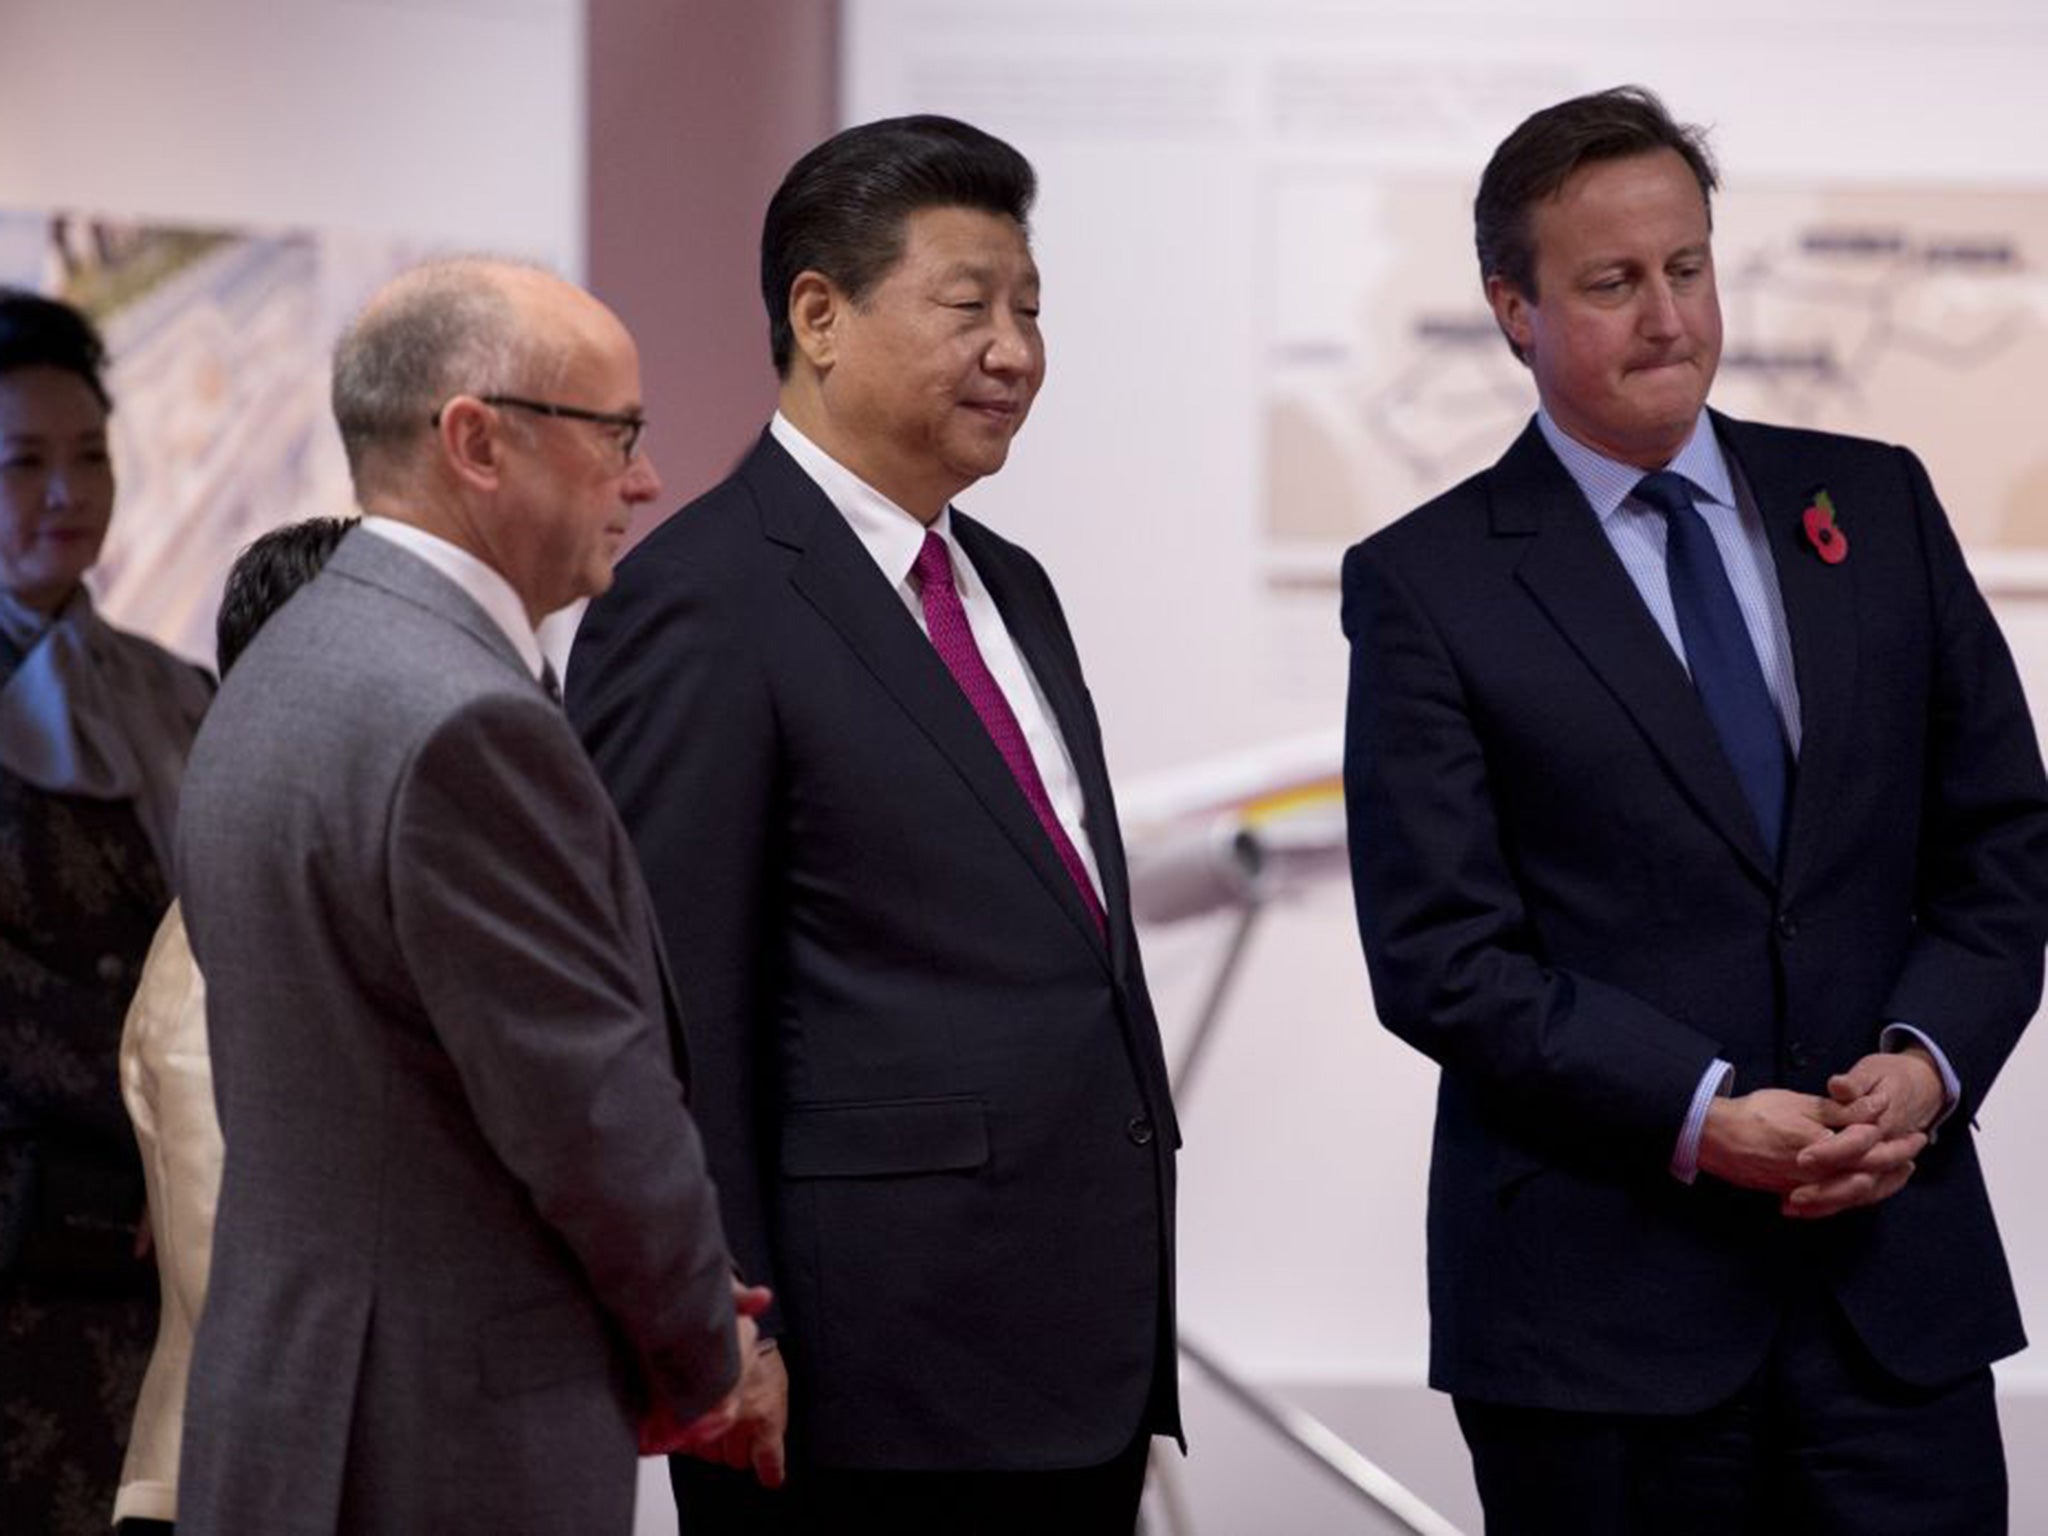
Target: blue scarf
[{"x": 95, "y": 711}]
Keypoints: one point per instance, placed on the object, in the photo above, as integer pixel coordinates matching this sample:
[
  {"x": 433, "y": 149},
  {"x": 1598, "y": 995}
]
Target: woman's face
[{"x": 56, "y": 484}]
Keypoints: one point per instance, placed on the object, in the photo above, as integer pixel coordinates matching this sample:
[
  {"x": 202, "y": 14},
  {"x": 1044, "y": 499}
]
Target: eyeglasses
[{"x": 625, "y": 424}]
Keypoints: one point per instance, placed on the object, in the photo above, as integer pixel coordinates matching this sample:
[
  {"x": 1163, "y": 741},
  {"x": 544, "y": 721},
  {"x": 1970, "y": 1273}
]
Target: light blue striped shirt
[{"x": 1636, "y": 530}]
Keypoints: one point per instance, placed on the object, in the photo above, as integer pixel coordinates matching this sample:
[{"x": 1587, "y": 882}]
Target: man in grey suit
[{"x": 466, "y": 1244}]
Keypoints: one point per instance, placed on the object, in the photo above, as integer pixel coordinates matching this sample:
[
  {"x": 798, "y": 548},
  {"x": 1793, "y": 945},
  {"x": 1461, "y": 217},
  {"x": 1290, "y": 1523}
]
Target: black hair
[
  {"x": 36, "y": 332},
  {"x": 841, "y": 209},
  {"x": 265, "y": 574}
]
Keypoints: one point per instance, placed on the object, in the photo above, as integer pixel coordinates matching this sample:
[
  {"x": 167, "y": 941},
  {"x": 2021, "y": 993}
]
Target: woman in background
[
  {"x": 95, "y": 724},
  {"x": 167, "y": 1080}
]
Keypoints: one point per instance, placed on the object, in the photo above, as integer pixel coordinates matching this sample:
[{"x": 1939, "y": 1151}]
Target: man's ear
[
  {"x": 467, "y": 434},
  {"x": 1510, "y": 310},
  {"x": 817, "y": 308}
]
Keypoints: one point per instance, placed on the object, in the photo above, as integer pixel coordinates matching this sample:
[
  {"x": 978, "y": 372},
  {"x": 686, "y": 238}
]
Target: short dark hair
[
  {"x": 841, "y": 209},
  {"x": 1541, "y": 155},
  {"x": 265, "y": 574},
  {"x": 36, "y": 332}
]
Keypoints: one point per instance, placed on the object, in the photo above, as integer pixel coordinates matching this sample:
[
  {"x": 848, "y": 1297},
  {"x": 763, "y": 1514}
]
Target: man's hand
[
  {"x": 661, "y": 1434},
  {"x": 1754, "y": 1140},
  {"x": 1900, "y": 1092},
  {"x": 1819, "y": 1156},
  {"x": 1883, "y": 1106},
  {"x": 1858, "y": 1166},
  {"x": 756, "y": 1437}
]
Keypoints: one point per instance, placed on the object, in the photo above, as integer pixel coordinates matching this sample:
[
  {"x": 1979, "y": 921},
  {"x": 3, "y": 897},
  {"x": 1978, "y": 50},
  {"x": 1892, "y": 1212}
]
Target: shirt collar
[
  {"x": 891, "y": 536},
  {"x": 1607, "y": 483},
  {"x": 490, "y": 591}
]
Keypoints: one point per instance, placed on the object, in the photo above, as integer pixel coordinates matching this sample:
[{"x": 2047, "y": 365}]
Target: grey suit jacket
[{"x": 464, "y": 1219}]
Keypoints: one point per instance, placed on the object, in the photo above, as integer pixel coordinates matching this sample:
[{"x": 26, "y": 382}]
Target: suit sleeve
[
  {"x": 1456, "y": 969},
  {"x": 1972, "y": 976},
  {"x": 508, "y": 918},
  {"x": 673, "y": 704}
]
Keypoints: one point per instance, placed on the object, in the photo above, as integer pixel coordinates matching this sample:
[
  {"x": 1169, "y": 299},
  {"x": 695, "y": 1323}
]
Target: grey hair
[{"x": 444, "y": 329}]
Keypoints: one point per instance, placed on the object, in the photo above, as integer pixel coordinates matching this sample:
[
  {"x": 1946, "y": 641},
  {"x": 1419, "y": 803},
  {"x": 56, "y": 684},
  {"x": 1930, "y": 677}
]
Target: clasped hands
[
  {"x": 1821, "y": 1156},
  {"x": 746, "y": 1427}
]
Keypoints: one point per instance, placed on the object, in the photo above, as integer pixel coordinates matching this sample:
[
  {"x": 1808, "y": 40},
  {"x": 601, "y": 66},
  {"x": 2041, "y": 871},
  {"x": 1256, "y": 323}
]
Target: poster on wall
[
  {"x": 1907, "y": 314},
  {"x": 220, "y": 342}
]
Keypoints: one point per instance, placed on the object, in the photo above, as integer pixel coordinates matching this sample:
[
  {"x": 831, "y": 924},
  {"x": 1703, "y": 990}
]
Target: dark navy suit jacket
[
  {"x": 1565, "y": 903},
  {"x": 933, "y": 1095}
]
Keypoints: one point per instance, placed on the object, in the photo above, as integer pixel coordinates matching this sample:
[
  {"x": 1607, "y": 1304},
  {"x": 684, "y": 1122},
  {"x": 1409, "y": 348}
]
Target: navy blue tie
[{"x": 1725, "y": 671}]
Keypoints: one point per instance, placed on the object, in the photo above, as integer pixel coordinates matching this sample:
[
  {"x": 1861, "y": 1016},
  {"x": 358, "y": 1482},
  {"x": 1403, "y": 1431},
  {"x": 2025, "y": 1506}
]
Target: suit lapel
[
  {"x": 836, "y": 576},
  {"x": 363, "y": 556},
  {"x": 1032, "y": 625},
  {"x": 1820, "y": 613},
  {"x": 1574, "y": 575}
]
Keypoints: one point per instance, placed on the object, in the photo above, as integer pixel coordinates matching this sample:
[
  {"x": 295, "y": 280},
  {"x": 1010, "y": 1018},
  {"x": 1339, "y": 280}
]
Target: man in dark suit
[
  {"x": 848, "y": 731},
  {"x": 1699, "y": 834},
  {"x": 466, "y": 1246}
]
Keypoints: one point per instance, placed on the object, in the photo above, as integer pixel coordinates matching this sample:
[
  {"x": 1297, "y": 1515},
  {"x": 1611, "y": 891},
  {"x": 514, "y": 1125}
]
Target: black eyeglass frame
[{"x": 629, "y": 423}]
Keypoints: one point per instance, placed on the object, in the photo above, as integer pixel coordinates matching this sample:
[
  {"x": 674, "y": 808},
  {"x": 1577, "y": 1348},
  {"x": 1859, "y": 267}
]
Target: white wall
[{"x": 438, "y": 120}]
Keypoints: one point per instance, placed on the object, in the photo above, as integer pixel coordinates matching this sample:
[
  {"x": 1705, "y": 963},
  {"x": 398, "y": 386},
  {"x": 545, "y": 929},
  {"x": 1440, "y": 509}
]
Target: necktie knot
[{"x": 1667, "y": 491}]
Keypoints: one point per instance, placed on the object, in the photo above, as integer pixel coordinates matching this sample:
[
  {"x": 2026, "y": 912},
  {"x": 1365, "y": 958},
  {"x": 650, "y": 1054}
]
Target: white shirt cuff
[{"x": 1717, "y": 1082}]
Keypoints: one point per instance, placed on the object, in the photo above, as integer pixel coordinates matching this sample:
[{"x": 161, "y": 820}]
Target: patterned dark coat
[{"x": 81, "y": 893}]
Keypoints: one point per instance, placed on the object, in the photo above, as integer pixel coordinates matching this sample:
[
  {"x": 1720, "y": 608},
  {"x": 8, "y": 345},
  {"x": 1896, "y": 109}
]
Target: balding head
[
  {"x": 498, "y": 407},
  {"x": 462, "y": 326}
]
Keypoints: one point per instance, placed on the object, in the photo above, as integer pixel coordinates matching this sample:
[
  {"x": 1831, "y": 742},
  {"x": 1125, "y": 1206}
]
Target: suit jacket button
[
  {"x": 1788, "y": 926},
  {"x": 1139, "y": 1129},
  {"x": 111, "y": 968}
]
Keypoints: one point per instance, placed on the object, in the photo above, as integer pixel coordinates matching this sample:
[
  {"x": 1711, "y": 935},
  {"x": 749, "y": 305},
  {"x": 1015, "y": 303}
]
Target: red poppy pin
[{"x": 1827, "y": 539}]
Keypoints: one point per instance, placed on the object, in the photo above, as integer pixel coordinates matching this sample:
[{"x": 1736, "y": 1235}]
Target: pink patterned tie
[{"x": 954, "y": 641}]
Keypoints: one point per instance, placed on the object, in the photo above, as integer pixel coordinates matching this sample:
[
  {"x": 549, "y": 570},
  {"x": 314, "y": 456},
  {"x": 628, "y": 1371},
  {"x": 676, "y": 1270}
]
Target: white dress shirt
[
  {"x": 491, "y": 592},
  {"x": 893, "y": 537}
]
